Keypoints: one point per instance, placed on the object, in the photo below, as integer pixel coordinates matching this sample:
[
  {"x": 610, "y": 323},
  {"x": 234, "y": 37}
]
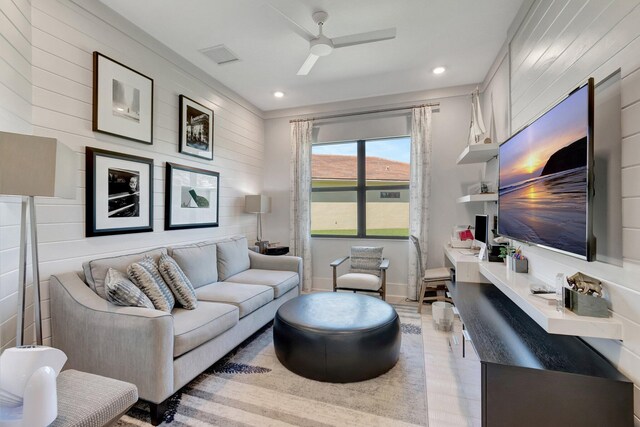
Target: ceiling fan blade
[
  {"x": 308, "y": 64},
  {"x": 293, "y": 25},
  {"x": 370, "y": 37}
]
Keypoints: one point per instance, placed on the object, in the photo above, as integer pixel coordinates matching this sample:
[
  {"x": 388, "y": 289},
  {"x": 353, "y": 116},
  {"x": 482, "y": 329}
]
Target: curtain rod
[{"x": 360, "y": 113}]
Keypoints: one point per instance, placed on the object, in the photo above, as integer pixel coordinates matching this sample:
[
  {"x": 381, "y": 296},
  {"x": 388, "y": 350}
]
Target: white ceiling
[{"x": 462, "y": 35}]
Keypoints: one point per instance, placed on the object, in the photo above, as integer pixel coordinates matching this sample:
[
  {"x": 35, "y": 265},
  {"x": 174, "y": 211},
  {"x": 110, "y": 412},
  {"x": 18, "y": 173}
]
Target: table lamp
[
  {"x": 33, "y": 166},
  {"x": 258, "y": 204}
]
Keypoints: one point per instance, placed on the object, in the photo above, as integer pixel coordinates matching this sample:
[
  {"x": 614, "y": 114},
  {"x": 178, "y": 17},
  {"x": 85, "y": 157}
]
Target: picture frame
[
  {"x": 122, "y": 100},
  {"x": 192, "y": 197},
  {"x": 195, "y": 129},
  {"x": 119, "y": 193}
]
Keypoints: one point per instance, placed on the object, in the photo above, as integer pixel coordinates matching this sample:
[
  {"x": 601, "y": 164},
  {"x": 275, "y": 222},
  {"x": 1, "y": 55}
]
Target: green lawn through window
[{"x": 387, "y": 232}]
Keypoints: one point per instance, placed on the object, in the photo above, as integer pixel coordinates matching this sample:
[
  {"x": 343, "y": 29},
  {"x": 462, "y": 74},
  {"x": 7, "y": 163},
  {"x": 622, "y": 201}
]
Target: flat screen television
[{"x": 546, "y": 178}]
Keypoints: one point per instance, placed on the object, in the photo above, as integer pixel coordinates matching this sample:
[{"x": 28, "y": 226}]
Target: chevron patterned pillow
[
  {"x": 178, "y": 282},
  {"x": 145, "y": 275},
  {"x": 121, "y": 291}
]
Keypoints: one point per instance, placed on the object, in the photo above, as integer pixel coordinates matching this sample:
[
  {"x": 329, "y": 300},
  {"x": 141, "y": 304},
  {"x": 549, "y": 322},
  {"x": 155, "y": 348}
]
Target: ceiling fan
[{"x": 322, "y": 45}]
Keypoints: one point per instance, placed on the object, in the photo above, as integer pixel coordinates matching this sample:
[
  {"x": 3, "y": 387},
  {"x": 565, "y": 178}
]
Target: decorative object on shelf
[
  {"x": 122, "y": 100},
  {"x": 258, "y": 204},
  {"x": 191, "y": 197},
  {"x": 477, "y": 129},
  {"x": 482, "y": 187},
  {"x": 119, "y": 192},
  {"x": 196, "y": 129},
  {"x": 582, "y": 283},
  {"x": 518, "y": 262},
  {"x": 33, "y": 166},
  {"x": 28, "y": 396},
  {"x": 584, "y": 296}
]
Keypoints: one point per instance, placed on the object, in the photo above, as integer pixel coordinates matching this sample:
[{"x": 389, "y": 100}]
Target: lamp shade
[
  {"x": 36, "y": 166},
  {"x": 257, "y": 204}
]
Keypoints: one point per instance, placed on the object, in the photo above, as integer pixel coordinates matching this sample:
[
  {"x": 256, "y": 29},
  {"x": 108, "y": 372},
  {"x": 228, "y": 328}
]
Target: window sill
[{"x": 328, "y": 237}]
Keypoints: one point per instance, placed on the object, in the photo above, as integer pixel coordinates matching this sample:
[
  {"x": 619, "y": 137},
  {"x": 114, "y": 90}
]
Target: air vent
[{"x": 219, "y": 54}]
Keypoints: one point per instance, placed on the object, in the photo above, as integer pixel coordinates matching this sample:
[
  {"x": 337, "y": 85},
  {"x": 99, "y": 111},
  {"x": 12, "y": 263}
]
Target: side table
[
  {"x": 88, "y": 400},
  {"x": 277, "y": 250}
]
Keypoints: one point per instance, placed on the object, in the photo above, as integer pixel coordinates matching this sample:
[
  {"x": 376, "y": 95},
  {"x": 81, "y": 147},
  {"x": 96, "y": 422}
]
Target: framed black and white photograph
[
  {"x": 191, "y": 197},
  {"x": 119, "y": 193},
  {"x": 196, "y": 129},
  {"x": 122, "y": 100}
]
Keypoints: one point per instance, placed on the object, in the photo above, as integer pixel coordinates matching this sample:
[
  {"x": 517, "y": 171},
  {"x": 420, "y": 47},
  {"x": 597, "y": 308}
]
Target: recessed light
[
  {"x": 278, "y": 94},
  {"x": 438, "y": 70}
]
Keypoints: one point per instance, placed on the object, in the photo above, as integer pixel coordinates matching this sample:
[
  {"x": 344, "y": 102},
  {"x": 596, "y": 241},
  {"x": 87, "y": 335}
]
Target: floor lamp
[
  {"x": 258, "y": 204},
  {"x": 33, "y": 166}
]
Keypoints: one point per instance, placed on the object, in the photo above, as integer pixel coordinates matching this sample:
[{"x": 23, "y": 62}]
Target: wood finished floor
[{"x": 453, "y": 382}]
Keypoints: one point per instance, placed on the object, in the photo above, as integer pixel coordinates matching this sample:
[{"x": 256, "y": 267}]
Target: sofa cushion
[
  {"x": 95, "y": 270},
  {"x": 280, "y": 281},
  {"x": 198, "y": 261},
  {"x": 233, "y": 257},
  {"x": 178, "y": 282},
  {"x": 362, "y": 281},
  {"x": 192, "y": 328},
  {"x": 146, "y": 276},
  {"x": 247, "y": 298},
  {"x": 121, "y": 291}
]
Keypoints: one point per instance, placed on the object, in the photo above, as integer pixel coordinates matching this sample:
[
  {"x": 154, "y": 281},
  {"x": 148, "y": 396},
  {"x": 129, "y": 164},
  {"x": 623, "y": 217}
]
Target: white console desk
[
  {"x": 516, "y": 286},
  {"x": 467, "y": 266}
]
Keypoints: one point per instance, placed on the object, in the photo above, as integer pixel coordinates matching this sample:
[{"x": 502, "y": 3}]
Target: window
[{"x": 361, "y": 188}]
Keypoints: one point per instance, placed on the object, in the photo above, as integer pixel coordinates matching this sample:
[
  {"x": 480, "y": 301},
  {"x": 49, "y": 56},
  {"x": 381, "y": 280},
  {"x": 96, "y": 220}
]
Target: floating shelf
[
  {"x": 517, "y": 287},
  {"x": 488, "y": 197},
  {"x": 478, "y": 153}
]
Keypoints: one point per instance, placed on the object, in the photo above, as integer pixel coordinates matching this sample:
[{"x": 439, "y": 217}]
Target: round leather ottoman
[{"x": 337, "y": 337}]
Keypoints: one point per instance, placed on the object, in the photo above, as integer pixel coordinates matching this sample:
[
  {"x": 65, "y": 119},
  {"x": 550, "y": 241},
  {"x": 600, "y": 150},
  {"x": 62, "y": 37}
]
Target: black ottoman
[{"x": 337, "y": 337}]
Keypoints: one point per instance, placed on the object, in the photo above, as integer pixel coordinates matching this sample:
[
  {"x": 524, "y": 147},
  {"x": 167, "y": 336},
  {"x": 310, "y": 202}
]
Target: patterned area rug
[{"x": 250, "y": 387}]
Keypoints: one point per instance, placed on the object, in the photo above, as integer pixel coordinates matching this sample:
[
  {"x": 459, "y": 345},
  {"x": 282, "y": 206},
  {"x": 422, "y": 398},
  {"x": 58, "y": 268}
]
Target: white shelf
[
  {"x": 517, "y": 287},
  {"x": 490, "y": 197},
  {"x": 478, "y": 153}
]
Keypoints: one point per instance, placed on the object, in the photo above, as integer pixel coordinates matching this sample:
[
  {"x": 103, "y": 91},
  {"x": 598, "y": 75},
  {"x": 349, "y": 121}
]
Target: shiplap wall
[
  {"x": 64, "y": 35},
  {"x": 15, "y": 116},
  {"x": 558, "y": 45}
]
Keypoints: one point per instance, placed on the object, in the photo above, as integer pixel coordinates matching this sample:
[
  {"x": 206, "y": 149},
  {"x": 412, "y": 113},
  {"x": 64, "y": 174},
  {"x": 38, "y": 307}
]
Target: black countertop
[{"x": 504, "y": 334}]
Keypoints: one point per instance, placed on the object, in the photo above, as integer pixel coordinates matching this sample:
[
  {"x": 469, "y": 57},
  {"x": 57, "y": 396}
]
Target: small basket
[{"x": 442, "y": 313}]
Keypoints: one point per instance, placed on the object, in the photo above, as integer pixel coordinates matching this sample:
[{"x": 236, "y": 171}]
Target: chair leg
[{"x": 423, "y": 289}]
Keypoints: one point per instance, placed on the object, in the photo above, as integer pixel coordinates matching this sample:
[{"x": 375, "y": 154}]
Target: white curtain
[
  {"x": 419, "y": 192},
  {"x": 300, "y": 200}
]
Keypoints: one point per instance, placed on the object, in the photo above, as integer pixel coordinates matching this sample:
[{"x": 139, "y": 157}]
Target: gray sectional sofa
[{"x": 238, "y": 292}]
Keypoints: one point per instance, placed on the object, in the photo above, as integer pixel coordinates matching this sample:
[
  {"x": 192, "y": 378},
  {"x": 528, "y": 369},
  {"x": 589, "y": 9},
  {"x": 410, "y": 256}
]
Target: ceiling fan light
[
  {"x": 439, "y": 70},
  {"x": 321, "y": 46}
]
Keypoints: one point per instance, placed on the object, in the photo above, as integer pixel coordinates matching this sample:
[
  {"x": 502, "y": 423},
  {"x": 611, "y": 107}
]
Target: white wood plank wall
[
  {"x": 64, "y": 35},
  {"x": 15, "y": 116},
  {"x": 559, "y": 44}
]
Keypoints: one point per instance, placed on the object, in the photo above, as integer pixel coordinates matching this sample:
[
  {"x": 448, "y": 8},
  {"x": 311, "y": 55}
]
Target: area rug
[{"x": 250, "y": 387}]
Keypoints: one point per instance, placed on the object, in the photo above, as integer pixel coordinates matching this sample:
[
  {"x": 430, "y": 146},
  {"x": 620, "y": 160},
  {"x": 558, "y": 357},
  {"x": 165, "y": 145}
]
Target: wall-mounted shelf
[
  {"x": 490, "y": 197},
  {"x": 478, "y": 153},
  {"x": 517, "y": 287}
]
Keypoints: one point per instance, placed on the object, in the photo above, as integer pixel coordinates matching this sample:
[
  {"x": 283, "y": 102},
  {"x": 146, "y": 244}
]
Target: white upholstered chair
[
  {"x": 433, "y": 280},
  {"x": 367, "y": 273}
]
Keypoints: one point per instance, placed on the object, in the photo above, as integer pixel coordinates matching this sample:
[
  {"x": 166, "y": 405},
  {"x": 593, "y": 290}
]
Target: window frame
[{"x": 360, "y": 189}]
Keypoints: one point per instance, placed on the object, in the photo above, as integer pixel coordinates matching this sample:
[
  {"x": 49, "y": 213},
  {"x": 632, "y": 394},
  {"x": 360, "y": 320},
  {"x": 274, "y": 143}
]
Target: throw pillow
[
  {"x": 233, "y": 258},
  {"x": 178, "y": 282},
  {"x": 365, "y": 259},
  {"x": 145, "y": 275},
  {"x": 121, "y": 291}
]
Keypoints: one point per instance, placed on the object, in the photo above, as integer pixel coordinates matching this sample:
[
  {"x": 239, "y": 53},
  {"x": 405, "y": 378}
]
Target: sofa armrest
[
  {"x": 127, "y": 343},
  {"x": 280, "y": 262}
]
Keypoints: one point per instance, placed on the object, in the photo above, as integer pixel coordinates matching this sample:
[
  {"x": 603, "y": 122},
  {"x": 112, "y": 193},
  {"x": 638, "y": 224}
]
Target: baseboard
[{"x": 396, "y": 292}]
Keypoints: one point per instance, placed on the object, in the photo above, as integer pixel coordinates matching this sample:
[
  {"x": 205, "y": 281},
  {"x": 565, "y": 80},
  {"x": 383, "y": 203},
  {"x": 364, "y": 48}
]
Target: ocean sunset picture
[{"x": 543, "y": 179}]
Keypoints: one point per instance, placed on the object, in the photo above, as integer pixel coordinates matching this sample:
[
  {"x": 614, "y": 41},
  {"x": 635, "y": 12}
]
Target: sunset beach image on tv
[{"x": 543, "y": 191}]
